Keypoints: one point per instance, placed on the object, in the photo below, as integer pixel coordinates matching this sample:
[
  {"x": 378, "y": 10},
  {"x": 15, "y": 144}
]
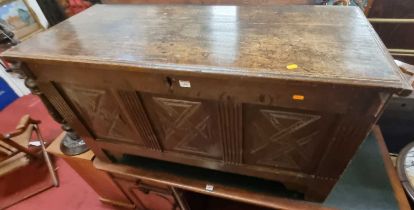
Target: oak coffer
[{"x": 285, "y": 93}]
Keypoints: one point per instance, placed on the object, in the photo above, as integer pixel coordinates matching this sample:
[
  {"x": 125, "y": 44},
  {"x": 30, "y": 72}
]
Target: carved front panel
[
  {"x": 185, "y": 125},
  {"x": 100, "y": 112},
  {"x": 287, "y": 139}
]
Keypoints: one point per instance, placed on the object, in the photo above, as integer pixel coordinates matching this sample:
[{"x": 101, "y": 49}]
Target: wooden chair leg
[
  {"x": 4, "y": 147},
  {"x": 19, "y": 147},
  {"x": 46, "y": 157}
]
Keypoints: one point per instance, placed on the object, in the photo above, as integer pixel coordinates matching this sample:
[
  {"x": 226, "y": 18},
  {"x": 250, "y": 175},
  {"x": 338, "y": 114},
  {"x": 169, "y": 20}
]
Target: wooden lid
[{"x": 306, "y": 43}]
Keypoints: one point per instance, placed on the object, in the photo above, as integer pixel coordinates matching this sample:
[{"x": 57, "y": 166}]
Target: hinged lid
[{"x": 306, "y": 43}]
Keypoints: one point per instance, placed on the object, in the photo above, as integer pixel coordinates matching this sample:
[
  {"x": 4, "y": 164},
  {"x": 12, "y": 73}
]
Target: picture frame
[{"x": 19, "y": 18}]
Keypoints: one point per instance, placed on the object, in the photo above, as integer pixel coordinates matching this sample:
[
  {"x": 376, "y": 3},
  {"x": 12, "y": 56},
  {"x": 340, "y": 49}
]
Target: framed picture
[{"x": 18, "y": 17}]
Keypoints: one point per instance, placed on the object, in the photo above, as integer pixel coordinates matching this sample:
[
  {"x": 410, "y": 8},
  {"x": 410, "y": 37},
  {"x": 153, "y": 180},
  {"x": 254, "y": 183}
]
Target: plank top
[{"x": 328, "y": 44}]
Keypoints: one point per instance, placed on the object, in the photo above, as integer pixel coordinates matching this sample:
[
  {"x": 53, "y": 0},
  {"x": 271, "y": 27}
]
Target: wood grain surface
[{"x": 328, "y": 44}]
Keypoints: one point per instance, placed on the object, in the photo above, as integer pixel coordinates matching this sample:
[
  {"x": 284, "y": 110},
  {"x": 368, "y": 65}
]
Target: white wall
[{"x": 14, "y": 82}]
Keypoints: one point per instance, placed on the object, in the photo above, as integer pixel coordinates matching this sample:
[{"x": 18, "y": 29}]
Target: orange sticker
[{"x": 298, "y": 97}]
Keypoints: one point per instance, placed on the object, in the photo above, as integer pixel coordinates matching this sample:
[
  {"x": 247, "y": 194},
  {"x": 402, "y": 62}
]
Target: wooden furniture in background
[
  {"x": 147, "y": 194},
  {"x": 391, "y": 171},
  {"x": 99, "y": 181},
  {"x": 140, "y": 177},
  {"x": 162, "y": 178},
  {"x": 267, "y": 91},
  {"x": 17, "y": 157},
  {"x": 397, "y": 122},
  {"x": 394, "y": 23},
  {"x": 17, "y": 142}
]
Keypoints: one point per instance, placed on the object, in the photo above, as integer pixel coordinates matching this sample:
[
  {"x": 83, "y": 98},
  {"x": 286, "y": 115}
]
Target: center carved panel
[
  {"x": 283, "y": 138},
  {"x": 184, "y": 125}
]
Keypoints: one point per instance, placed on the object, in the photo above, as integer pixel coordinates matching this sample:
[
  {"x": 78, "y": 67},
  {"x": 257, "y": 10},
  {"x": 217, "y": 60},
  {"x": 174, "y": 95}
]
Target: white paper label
[
  {"x": 36, "y": 143},
  {"x": 184, "y": 84},
  {"x": 209, "y": 187}
]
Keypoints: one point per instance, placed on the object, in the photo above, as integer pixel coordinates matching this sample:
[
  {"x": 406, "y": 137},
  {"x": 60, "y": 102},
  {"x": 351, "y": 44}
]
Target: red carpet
[
  {"x": 10, "y": 116},
  {"x": 73, "y": 193},
  {"x": 12, "y": 191}
]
